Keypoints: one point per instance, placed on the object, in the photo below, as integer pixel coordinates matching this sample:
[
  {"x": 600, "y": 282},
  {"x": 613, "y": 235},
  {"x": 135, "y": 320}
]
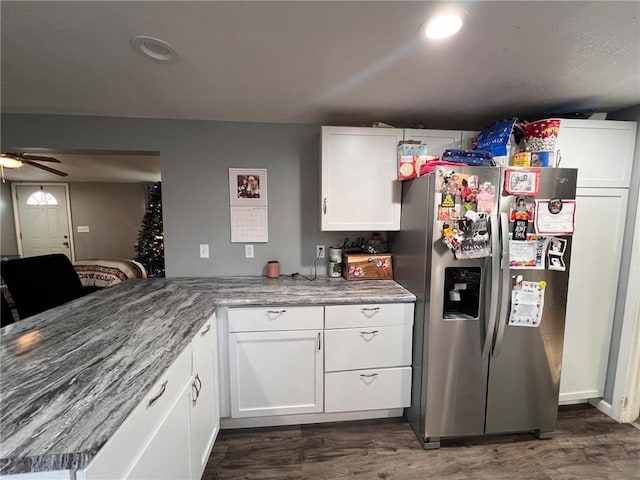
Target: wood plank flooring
[{"x": 587, "y": 445}]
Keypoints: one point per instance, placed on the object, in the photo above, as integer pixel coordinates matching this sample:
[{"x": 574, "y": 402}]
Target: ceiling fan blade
[
  {"x": 37, "y": 158},
  {"x": 48, "y": 169}
]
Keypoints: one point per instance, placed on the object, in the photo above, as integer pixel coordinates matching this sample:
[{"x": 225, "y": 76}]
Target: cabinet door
[
  {"x": 205, "y": 412},
  {"x": 593, "y": 284},
  {"x": 167, "y": 455},
  {"x": 601, "y": 150},
  {"x": 275, "y": 373},
  {"x": 437, "y": 141},
  {"x": 359, "y": 172}
]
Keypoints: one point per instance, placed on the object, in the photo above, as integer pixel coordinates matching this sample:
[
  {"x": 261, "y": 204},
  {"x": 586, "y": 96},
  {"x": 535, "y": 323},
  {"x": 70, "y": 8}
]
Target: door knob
[{"x": 66, "y": 244}]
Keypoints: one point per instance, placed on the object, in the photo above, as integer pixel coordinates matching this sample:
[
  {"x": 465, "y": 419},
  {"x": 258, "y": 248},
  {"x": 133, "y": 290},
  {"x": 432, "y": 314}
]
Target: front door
[{"x": 43, "y": 219}]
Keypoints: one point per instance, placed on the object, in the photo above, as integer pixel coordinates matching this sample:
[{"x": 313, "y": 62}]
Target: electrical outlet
[
  {"x": 248, "y": 251},
  {"x": 319, "y": 251},
  {"x": 204, "y": 250}
]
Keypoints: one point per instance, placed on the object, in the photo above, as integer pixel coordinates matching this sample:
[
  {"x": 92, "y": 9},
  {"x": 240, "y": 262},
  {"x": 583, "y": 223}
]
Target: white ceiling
[
  {"x": 91, "y": 167},
  {"x": 320, "y": 62}
]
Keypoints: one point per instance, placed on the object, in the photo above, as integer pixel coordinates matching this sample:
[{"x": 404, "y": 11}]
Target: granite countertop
[{"x": 70, "y": 376}]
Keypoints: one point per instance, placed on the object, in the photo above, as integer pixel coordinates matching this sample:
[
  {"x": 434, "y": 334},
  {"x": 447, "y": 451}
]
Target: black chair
[
  {"x": 6, "y": 316},
  {"x": 39, "y": 283}
]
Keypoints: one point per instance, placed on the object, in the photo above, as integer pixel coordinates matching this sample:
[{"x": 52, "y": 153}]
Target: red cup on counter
[{"x": 273, "y": 269}]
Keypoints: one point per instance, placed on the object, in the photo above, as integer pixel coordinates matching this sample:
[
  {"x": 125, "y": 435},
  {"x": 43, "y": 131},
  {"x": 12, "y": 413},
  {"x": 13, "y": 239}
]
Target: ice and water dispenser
[{"x": 461, "y": 293}]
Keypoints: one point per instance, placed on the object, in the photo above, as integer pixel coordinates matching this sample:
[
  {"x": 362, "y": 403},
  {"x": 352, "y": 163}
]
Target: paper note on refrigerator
[{"x": 527, "y": 303}]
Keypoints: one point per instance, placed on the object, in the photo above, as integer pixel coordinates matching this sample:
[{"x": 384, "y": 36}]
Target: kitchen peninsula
[{"x": 73, "y": 374}]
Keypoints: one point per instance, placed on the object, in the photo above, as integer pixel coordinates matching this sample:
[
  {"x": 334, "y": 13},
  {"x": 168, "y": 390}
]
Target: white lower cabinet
[
  {"x": 167, "y": 456},
  {"x": 356, "y": 390},
  {"x": 170, "y": 434},
  {"x": 337, "y": 359},
  {"x": 204, "y": 403},
  {"x": 368, "y": 357},
  {"x": 275, "y": 373}
]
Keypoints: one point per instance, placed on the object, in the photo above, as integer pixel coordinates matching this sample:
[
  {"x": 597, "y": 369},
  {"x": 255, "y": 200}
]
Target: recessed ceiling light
[
  {"x": 154, "y": 48},
  {"x": 442, "y": 26}
]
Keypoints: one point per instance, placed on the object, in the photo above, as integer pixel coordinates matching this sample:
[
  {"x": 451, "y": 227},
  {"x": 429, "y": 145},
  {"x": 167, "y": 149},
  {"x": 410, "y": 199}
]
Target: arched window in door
[{"x": 41, "y": 197}]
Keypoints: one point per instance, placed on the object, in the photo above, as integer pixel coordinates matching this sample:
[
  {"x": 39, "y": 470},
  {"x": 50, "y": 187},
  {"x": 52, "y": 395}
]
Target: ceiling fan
[{"x": 16, "y": 160}]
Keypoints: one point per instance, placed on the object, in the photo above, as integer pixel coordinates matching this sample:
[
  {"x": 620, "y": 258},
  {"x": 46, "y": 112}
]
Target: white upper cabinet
[
  {"x": 601, "y": 150},
  {"x": 359, "y": 188},
  {"x": 437, "y": 141}
]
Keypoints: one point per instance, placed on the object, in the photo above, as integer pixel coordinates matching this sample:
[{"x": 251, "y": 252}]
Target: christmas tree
[{"x": 150, "y": 243}]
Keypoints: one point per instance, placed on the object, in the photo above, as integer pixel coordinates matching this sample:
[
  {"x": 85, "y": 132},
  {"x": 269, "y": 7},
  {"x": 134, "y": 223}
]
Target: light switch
[
  {"x": 83, "y": 229},
  {"x": 248, "y": 251},
  {"x": 204, "y": 250}
]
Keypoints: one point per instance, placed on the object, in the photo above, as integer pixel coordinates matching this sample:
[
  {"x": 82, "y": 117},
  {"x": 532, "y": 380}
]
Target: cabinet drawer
[
  {"x": 115, "y": 458},
  {"x": 275, "y": 318},
  {"x": 371, "y": 347},
  {"x": 204, "y": 341},
  {"x": 367, "y": 389},
  {"x": 372, "y": 315}
]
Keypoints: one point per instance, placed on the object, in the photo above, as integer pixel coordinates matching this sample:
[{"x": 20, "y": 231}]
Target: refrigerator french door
[{"x": 473, "y": 373}]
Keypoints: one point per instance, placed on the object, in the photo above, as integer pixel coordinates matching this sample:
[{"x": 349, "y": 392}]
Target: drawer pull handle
[
  {"x": 368, "y": 375},
  {"x": 369, "y": 311},
  {"x": 206, "y": 330},
  {"x": 276, "y": 312},
  {"x": 372, "y": 332},
  {"x": 163, "y": 387},
  {"x": 319, "y": 342}
]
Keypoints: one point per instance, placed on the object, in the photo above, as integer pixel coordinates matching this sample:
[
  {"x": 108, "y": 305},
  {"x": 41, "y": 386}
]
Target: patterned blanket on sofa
[{"x": 105, "y": 273}]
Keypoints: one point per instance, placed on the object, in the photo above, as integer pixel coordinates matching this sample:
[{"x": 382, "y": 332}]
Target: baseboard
[
  {"x": 578, "y": 397},
  {"x": 573, "y": 402},
  {"x": 228, "y": 423},
  {"x": 604, "y": 407}
]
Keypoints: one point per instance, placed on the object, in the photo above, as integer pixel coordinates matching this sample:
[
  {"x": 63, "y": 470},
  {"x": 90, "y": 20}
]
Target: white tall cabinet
[{"x": 602, "y": 151}]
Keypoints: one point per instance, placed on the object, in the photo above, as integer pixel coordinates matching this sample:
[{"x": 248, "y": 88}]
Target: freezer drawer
[{"x": 367, "y": 389}]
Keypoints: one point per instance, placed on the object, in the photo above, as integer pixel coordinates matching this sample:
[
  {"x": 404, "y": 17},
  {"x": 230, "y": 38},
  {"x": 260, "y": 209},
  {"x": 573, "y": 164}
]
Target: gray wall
[
  {"x": 632, "y": 114},
  {"x": 113, "y": 212},
  {"x": 8, "y": 242},
  {"x": 195, "y": 157}
]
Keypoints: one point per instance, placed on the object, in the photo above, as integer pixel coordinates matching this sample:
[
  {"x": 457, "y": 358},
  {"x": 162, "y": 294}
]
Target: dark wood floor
[{"x": 587, "y": 445}]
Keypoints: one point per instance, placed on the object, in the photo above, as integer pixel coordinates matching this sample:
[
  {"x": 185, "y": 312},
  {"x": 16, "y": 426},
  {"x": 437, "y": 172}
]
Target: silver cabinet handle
[
  {"x": 206, "y": 330},
  {"x": 196, "y": 388},
  {"x": 324, "y": 206},
  {"x": 368, "y": 375},
  {"x": 372, "y": 332},
  {"x": 319, "y": 342},
  {"x": 276, "y": 312},
  {"x": 163, "y": 387},
  {"x": 196, "y": 394},
  {"x": 369, "y": 309}
]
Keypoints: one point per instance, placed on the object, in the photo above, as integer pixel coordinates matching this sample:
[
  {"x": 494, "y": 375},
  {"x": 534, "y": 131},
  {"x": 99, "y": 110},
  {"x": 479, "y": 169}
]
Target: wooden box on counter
[{"x": 365, "y": 266}]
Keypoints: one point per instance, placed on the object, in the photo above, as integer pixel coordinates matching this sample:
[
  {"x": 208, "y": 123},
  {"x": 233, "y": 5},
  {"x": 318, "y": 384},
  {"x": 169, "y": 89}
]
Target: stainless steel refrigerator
[{"x": 478, "y": 367}]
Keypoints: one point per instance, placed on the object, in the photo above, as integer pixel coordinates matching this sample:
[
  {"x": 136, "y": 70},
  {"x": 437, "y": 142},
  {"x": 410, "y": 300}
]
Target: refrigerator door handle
[
  {"x": 506, "y": 284},
  {"x": 495, "y": 287}
]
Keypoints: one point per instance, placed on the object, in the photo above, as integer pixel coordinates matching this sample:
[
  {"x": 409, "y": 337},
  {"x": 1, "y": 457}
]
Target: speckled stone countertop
[{"x": 71, "y": 375}]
